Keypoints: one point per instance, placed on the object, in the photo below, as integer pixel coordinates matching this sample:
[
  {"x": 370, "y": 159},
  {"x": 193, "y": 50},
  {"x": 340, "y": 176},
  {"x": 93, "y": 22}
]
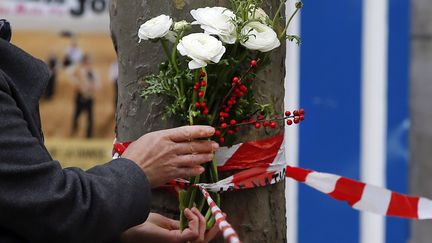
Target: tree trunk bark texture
[{"x": 258, "y": 215}]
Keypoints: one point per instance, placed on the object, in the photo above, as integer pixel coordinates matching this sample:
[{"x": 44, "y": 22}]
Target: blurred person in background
[
  {"x": 86, "y": 84},
  {"x": 73, "y": 57},
  {"x": 113, "y": 75},
  {"x": 42, "y": 202},
  {"x": 52, "y": 63}
]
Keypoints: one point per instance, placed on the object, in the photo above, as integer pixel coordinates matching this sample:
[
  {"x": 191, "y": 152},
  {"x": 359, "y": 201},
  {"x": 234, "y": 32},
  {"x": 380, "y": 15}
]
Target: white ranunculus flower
[
  {"x": 259, "y": 14},
  {"x": 216, "y": 21},
  {"x": 201, "y": 48},
  {"x": 181, "y": 25},
  {"x": 154, "y": 28},
  {"x": 260, "y": 37}
]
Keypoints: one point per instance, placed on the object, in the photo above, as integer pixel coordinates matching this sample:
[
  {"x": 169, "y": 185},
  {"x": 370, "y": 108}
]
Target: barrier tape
[
  {"x": 263, "y": 163},
  {"x": 227, "y": 230}
]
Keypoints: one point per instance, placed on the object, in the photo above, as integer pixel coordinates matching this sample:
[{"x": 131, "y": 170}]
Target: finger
[
  {"x": 174, "y": 224},
  {"x": 202, "y": 223},
  {"x": 186, "y": 172},
  {"x": 196, "y": 147},
  {"x": 192, "y": 160},
  {"x": 163, "y": 221},
  {"x": 187, "y": 133},
  {"x": 192, "y": 232},
  {"x": 212, "y": 233}
]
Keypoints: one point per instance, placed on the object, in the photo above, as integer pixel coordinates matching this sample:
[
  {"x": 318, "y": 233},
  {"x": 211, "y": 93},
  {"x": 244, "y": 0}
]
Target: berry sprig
[
  {"x": 200, "y": 87},
  {"x": 233, "y": 126}
]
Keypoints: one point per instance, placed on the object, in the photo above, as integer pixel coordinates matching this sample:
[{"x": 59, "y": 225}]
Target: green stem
[
  {"x": 282, "y": 35},
  {"x": 183, "y": 220},
  {"x": 278, "y": 13},
  {"x": 166, "y": 51}
]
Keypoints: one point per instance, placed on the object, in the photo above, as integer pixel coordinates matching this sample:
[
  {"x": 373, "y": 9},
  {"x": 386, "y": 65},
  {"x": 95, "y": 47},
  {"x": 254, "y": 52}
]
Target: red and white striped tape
[
  {"x": 364, "y": 197},
  {"x": 227, "y": 230},
  {"x": 263, "y": 163}
]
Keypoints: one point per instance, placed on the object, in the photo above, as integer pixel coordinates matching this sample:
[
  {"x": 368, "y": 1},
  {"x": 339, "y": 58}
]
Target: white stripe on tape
[
  {"x": 424, "y": 208},
  {"x": 323, "y": 182},
  {"x": 374, "y": 199}
]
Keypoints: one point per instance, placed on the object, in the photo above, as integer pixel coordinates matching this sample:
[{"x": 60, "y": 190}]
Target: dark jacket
[{"x": 40, "y": 201}]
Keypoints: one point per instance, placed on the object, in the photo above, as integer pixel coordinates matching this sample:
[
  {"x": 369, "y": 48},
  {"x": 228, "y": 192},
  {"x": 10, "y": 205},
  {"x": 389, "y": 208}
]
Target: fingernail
[
  {"x": 215, "y": 146},
  {"x": 201, "y": 170},
  {"x": 210, "y": 130}
]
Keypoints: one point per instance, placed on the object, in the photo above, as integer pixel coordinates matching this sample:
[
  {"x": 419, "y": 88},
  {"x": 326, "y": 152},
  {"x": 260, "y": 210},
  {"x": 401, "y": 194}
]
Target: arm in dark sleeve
[{"x": 41, "y": 202}]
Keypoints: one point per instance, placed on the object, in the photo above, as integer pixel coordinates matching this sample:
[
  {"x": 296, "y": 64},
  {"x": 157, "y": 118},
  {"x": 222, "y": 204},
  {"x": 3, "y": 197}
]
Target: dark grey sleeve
[{"x": 41, "y": 202}]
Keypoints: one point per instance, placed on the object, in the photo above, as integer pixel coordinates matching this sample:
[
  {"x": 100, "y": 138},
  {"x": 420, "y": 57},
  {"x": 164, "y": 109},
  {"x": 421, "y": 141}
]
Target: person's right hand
[{"x": 169, "y": 154}]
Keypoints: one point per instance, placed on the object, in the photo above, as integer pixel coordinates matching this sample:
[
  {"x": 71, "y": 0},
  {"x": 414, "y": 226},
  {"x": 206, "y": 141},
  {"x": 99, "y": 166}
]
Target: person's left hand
[{"x": 158, "y": 228}]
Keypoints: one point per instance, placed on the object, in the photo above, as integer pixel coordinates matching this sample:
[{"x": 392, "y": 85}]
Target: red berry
[
  {"x": 296, "y": 120},
  {"x": 266, "y": 124},
  {"x": 260, "y": 117},
  {"x": 237, "y": 129},
  {"x": 203, "y": 105},
  {"x": 273, "y": 124},
  {"x": 196, "y": 87},
  {"x": 236, "y": 80},
  {"x": 224, "y": 125},
  {"x": 200, "y": 94},
  {"x": 197, "y": 105},
  {"x": 222, "y": 140},
  {"x": 287, "y": 113},
  {"x": 206, "y": 111},
  {"x": 302, "y": 111},
  {"x": 226, "y": 115},
  {"x": 254, "y": 63},
  {"x": 257, "y": 125},
  {"x": 289, "y": 122},
  {"x": 296, "y": 113},
  {"x": 243, "y": 88},
  {"x": 202, "y": 74},
  {"x": 240, "y": 94},
  {"x": 217, "y": 133},
  {"x": 227, "y": 109},
  {"x": 233, "y": 122},
  {"x": 302, "y": 117},
  {"x": 230, "y": 103},
  {"x": 230, "y": 132},
  {"x": 222, "y": 119},
  {"x": 203, "y": 83}
]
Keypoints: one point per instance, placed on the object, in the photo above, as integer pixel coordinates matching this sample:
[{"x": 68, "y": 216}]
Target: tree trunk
[{"x": 258, "y": 214}]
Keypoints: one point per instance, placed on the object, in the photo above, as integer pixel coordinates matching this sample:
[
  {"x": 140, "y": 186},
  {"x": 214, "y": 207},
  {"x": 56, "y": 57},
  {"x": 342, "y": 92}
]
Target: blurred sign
[
  {"x": 80, "y": 153},
  {"x": 57, "y": 15}
]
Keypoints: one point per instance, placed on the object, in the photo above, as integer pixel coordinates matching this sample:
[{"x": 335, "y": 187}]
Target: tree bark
[{"x": 258, "y": 214}]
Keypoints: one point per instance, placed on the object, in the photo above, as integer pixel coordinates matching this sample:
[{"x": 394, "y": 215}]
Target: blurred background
[
  {"x": 73, "y": 38},
  {"x": 363, "y": 74}
]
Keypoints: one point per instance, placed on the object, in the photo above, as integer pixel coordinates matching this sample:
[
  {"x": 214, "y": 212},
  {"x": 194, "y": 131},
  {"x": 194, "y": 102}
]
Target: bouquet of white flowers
[{"x": 207, "y": 78}]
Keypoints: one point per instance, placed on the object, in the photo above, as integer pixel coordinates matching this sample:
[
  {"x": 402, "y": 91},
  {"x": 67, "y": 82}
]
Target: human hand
[
  {"x": 169, "y": 154},
  {"x": 158, "y": 228}
]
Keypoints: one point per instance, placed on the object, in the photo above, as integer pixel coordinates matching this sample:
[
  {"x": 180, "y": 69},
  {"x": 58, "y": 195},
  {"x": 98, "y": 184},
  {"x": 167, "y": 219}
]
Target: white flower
[
  {"x": 260, "y": 37},
  {"x": 216, "y": 21},
  {"x": 181, "y": 25},
  {"x": 258, "y": 14},
  {"x": 201, "y": 48},
  {"x": 157, "y": 27}
]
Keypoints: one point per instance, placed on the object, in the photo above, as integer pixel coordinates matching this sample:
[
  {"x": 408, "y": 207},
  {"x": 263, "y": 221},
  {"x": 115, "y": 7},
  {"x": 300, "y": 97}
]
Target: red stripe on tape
[
  {"x": 298, "y": 174},
  {"x": 348, "y": 190},
  {"x": 254, "y": 154},
  {"x": 403, "y": 206}
]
